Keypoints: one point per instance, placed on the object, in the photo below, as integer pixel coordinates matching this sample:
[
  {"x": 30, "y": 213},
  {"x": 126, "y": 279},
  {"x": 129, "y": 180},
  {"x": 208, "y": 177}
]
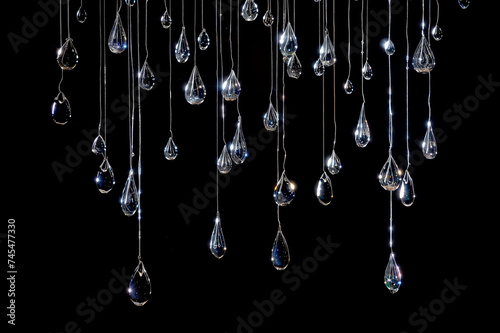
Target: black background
[{"x": 70, "y": 238}]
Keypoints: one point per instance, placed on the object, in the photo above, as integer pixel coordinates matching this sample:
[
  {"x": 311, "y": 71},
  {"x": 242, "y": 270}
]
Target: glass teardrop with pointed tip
[
  {"x": 147, "y": 78},
  {"x": 99, "y": 146},
  {"x": 105, "y": 179},
  {"x": 117, "y": 41},
  {"x": 166, "y": 19},
  {"x": 367, "y": 71},
  {"x": 195, "y": 91},
  {"x": 217, "y": 241},
  {"x": 81, "y": 15},
  {"x": 139, "y": 288},
  {"x": 130, "y": 196},
  {"x": 284, "y": 191},
  {"x": 362, "y": 134},
  {"x": 288, "y": 41},
  {"x": 464, "y": 4},
  {"x": 61, "y": 110},
  {"x": 429, "y": 145},
  {"x": 203, "y": 40},
  {"x": 238, "y": 147},
  {"x": 319, "y": 67},
  {"x": 224, "y": 163},
  {"x": 268, "y": 18},
  {"x": 423, "y": 59},
  {"x": 170, "y": 150},
  {"x": 437, "y": 33},
  {"x": 271, "y": 118},
  {"x": 406, "y": 190},
  {"x": 67, "y": 57},
  {"x": 389, "y": 47},
  {"x": 327, "y": 51},
  {"x": 182, "y": 51},
  {"x": 348, "y": 87},
  {"x": 390, "y": 175},
  {"x": 324, "y": 191},
  {"x": 249, "y": 10},
  {"x": 280, "y": 254},
  {"x": 333, "y": 164},
  {"x": 231, "y": 87},
  {"x": 294, "y": 67},
  {"x": 392, "y": 276}
]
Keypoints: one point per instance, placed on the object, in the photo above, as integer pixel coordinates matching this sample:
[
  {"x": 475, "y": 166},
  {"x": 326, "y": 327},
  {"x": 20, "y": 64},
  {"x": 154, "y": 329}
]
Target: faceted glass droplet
[
  {"x": 429, "y": 145},
  {"x": 217, "y": 241},
  {"x": 464, "y": 4},
  {"x": 389, "y": 47},
  {"x": 231, "y": 88},
  {"x": 327, "y": 51},
  {"x": 324, "y": 189},
  {"x": 67, "y": 57},
  {"x": 195, "y": 91},
  {"x": 406, "y": 190},
  {"x": 224, "y": 163},
  {"x": 182, "y": 51},
  {"x": 367, "y": 71},
  {"x": 203, "y": 40},
  {"x": 81, "y": 15},
  {"x": 271, "y": 118},
  {"x": 390, "y": 175},
  {"x": 348, "y": 87},
  {"x": 130, "y": 2},
  {"x": 147, "y": 78},
  {"x": 105, "y": 179},
  {"x": 249, "y": 10},
  {"x": 284, "y": 191},
  {"x": 61, "y": 110},
  {"x": 238, "y": 147},
  {"x": 288, "y": 41},
  {"x": 99, "y": 146},
  {"x": 268, "y": 19},
  {"x": 392, "y": 276},
  {"x": 294, "y": 67},
  {"x": 117, "y": 41},
  {"x": 280, "y": 254},
  {"x": 333, "y": 164},
  {"x": 362, "y": 134},
  {"x": 130, "y": 196},
  {"x": 139, "y": 289},
  {"x": 319, "y": 67},
  {"x": 423, "y": 59},
  {"x": 166, "y": 19},
  {"x": 437, "y": 33},
  {"x": 170, "y": 150}
]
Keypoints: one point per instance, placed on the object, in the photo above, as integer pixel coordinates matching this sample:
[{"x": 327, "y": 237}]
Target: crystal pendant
[
  {"x": 99, "y": 146},
  {"x": 130, "y": 196},
  {"x": 390, "y": 175},
  {"x": 166, "y": 19},
  {"x": 423, "y": 59},
  {"x": 147, "y": 78},
  {"x": 389, "y": 47},
  {"x": 117, "y": 41},
  {"x": 231, "y": 88},
  {"x": 182, "y": 51},
  {"x": 238, "y": 147},
  {"x": 333, "y": 164},
  {"x": 367, "y": 71},
  {"x": 268, "y": 18},
  {"x": 327, "y": 51},
  {"x": 464, "y": 4},
  {"x": 271, "y": 118},
  {"x": 319, "y": 67},
  {"x": 437, "y": 33},
  {"x": 67, "y": 57},
  {"x": 284, "y": 191},
  {"x": 429, "y": 146},
  {"x": 139, "y": 288},
  {"x": 203, "y": 40},
  {"x": 294, "y": 67},
  {"x": 406, "y": 190},
  {"x": 195, "y": 91},
  {"x": 81, "y": 15},
  {"x": 348, "y": 87},
  {"x": 61, "y": 110},
  {"x": 392, "y": 277},
  {"x": 217, "y": 241},
  {"x": 130, "y": 2},
  {"x": 280, "y": 255},
  {"x": 224, "y": 163},
  {"x": 170, "y": 150},
  {"x": 324, "y": 189},
  {"x": 362, "y": 134},
  {"x": 249, "y": 10},
  {"x": 105, "y": 179},
  {"x": 288, "y": 41}
]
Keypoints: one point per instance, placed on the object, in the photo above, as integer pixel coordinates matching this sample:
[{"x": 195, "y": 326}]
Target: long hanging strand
[
  {"x": 367, "y": 68},
  {"x": 348, "y": 87},
  {"x": 270, "y": 117},
  {"x": 170, "y": 151}
]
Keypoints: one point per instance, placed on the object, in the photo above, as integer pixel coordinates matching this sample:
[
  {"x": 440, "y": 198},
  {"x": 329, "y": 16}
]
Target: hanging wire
[
  {"x": 217, "y": 103},
  {"x": 170, "y": 70},
  {"x": 334, "y": 31},
  {"x": 407, "y": 87}
]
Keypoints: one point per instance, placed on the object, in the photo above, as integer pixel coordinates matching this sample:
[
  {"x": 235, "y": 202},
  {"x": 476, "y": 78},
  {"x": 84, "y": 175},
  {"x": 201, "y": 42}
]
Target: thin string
[
  {"x": 407, "y": 87},
  {"x": 323, "y": 102},
  {"x": 67, "y": 18},
  {"x": 349, "y": 38},
  {"x": 231, "y": 32},
  {"x": 367, "y": 36},
  {"x": 429, "y": 41},
  {"x": 60, "y": 44},
  {"x": 272, "y": 56},
  {"x": 390, "y": 86},
  {"x": 101, "y": 15},
  {"x": 238, "y": 61},
  {"x": 437, "y": 16},
  {"x": 170, "y": 69},
  {"x": 390, "y": 221},
  {"x": 145, "y": 29},
  {"x": 194, "y": 31},
  {"x": 334, "y": 84},
  {"x": 217, "y": 105},
  {"x": 362, "y": 50},
  {"x": 283, "y": 96},
  {"x": 202, "y": 21},
  {"x": 277, "y": 107},
  {"x": 423, "y": 17},
  {"x": 222, "y": 70},
  {"x": 130, "y": 89},
  {"x": 139, "y": 159},
  {"x": 182, "y": 17},
  {"x": 103, "y": 52}
]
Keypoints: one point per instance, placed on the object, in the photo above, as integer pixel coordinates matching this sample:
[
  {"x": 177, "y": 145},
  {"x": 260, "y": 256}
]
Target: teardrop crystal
[
  {"x": 288, "y": 41},
  {"x": 348, "y": 87},
  {"x": 362, "y": 134},
  {"x": 130, "y": 196},
  {"x": 423, "y": 59},
  {"x": 147, "y": 78},
  {"x": 67, "y": 57},
  {"x": 224, "y": 163},
  {"x": 429, "y": 145},
  {"x": 238, "y": 147},
  {"x": 170, "y": 150},
  {"x": 166, "y": 19},
  {"x": 182, "y": 51},
  {"x": 81, "y": 15},
  {"x": 392, "y": 276},
  {"x": 117, "y": 41},
  {"x": 437, "y": 33},
  {"x": 203, "y": 40},
  {"x": 324, "y": 189},
  {"x": 390, "y": 175},
  {"x": 284, "y": 191},
  {"x": 464, "y": 4},
  {"x": 99, "y": 146},
  {"x": 294, "y": 67},
  {"x": 61, "y": 110},
  {"x": 319, "y": 67},
  {"x": 268, "y": 18},
  {"x": 130, "y": 2},
  {"x": 249, "y": 10},
  {"x": 333, "y": 164},
  {"x": 139, "y": 289},
  {"x": 195, "y": 91},
  {"x": 406, "y": 190},
  {"x": 105, "y": 179},
  {"x": 327, "y": 51},
  {"x": 389, "y": 47},
  {"x": 271, "y": 118},
  {"x": 280, "y": 254},
  {"x": 231, "y": 88},
  {"x": 367, "y": 71},
  {"x": 217, "y": 241}
]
